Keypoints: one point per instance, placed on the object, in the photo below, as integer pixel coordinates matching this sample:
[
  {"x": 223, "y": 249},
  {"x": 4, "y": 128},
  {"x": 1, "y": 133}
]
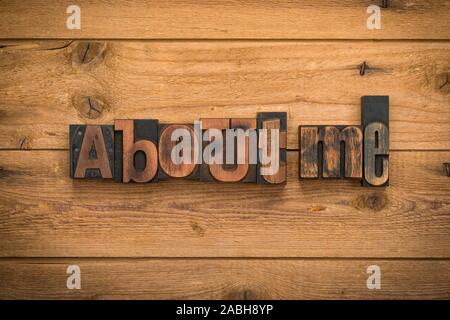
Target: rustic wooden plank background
[
  {"x": 181, "y": 60},
  {"x": 234, "y": 19},
  {"x": 44, "y": 84},
  {"x": 224, "y": 279},
  {"x": 187, "y": 218}
]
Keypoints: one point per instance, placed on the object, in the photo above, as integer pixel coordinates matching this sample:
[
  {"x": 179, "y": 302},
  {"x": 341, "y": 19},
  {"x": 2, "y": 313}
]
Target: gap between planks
[
  {"x": 181, "y": 40},
  {"x": 123, "y": 258}
]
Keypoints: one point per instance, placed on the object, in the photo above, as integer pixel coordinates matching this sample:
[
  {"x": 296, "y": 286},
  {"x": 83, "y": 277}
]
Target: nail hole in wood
[
  {"x": 362, "y": 68},
  {"x": 447, "y": 168}
]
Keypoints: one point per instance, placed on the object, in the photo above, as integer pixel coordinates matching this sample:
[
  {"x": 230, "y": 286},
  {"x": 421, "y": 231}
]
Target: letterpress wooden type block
[
  {"x": 310, "y": 160},
  {"x": 330, "y": 152},
  {"x": 139, "y": 149},
  {"x": 91, "y": 151},
  {"x": 207, "y": 124},
  {"x": 118, "y": 156},
  {"x": 375, "y": 124},
  {"x": 249, "y": 126},
  {"x": 185, "y": 165},
  {"x": 238, "y": 168},
  {"x": 269, "y": 121}
]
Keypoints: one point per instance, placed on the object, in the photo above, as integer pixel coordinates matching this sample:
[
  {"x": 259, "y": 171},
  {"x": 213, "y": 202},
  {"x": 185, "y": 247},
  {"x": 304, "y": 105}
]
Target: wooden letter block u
[{"x": 231, "y": 172}]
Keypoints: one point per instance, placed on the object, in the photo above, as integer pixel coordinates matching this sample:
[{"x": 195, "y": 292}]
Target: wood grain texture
[
  {"x": 45, "y": 87},
  {"x": 44, "y": 213},
  {"x": 224, "y": 279},
  {"x": 194, "y": 240},
  {"x": 214, "y": 19}
]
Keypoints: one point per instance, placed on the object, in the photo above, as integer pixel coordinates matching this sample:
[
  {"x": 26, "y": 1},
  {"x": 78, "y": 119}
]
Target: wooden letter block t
[
  {"x": 269, "y": 121},
  {"x": 233, "y": 171}
]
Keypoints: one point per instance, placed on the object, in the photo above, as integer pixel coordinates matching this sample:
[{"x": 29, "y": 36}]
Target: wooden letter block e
[
  {"x": 91, "y": 151},
  {"x": 375, "y": 123}
]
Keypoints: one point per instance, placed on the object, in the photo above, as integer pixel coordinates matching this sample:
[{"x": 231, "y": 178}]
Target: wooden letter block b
[
  {"x": 137, "y": 141},
  {"x": 375, "y": 123},
  {"x": 91, "y": 151},
  {"x": 331, "y": 152}
]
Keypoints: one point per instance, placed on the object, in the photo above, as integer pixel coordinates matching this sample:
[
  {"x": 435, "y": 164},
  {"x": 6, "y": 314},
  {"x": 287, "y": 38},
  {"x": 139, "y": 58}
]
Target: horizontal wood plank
[
  {"x": 224, "y": 279},
  {"x": 214, "y": 19},
  {"x": 44, "y": 213},
  {"x": 47, "y": 85}
]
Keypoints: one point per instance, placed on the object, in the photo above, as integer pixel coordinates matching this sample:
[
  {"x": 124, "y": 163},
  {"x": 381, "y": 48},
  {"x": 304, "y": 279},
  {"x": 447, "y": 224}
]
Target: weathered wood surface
[
  {"x": 224, "y": 279},
  {"x": 215, "y": 19},
  {"x": 157, "y": 237},
  {"x": 44, "y": 213},
  {"x": 45, "y": 87}
]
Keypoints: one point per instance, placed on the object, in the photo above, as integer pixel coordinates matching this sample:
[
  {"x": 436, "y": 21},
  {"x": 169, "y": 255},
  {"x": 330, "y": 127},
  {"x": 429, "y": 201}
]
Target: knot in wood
[
  {"x": 443, "y": 83},
  {"x": 86, "y": 53},
  {"x": 90, "y": 107},
  {"x": 375, "y": 201},
  {"x": 447, "y": 169}
]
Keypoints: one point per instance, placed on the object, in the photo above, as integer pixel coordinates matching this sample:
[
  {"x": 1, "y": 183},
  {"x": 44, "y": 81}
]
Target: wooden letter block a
[
  {"x": 375, "y": 123},
  {"x": 91, "y": 151},
  {"x": 268, "y": 158},
  {"x": 183, "y": 149},
  {"x": 330, "y": 152},
  {"x": 231, "y": 170},
  {"x": 136, "y": 155}
]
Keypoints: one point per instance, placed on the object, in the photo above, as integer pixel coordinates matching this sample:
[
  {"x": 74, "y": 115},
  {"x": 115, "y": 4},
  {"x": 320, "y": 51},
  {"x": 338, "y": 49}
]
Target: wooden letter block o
[{"x": 168, "y": 168}]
